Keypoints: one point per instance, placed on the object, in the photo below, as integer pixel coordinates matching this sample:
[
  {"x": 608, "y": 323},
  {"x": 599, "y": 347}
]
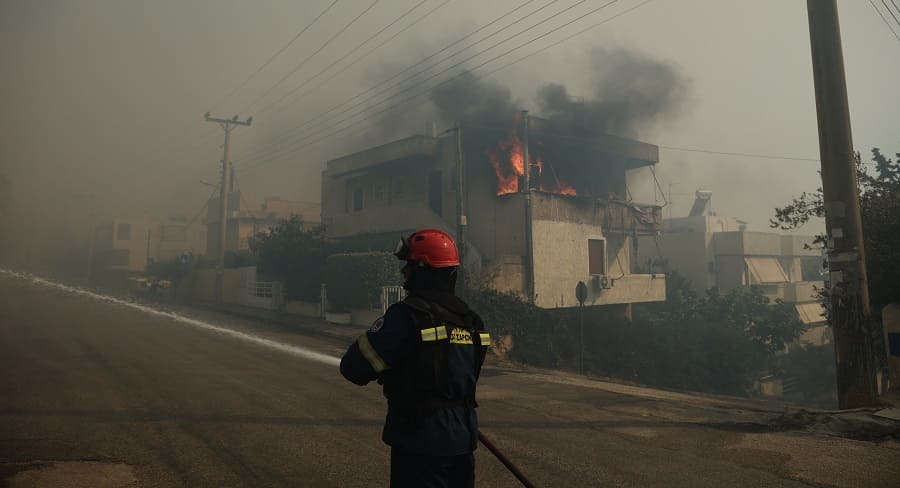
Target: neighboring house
[
  {"x": 535, "y": 218},
  {"x": 246, "y": 219},
  {"x": 128, "y": 244},
  {"x": 713, "y": 251}
]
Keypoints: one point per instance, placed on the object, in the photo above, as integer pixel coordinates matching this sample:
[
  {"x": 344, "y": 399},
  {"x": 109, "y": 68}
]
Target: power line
[
  {"x": 890, "y": 12},
  {"x": 742, "y": 154},
  {"x": 434, "y": 75},
  {"x": 370, "y": 51},
  {"x": 441, "y": 83},
  {"x": 888, "y": 24},
  {"x": 277, "y": 53},
  {"x": 205, "y": 205},
  {"x": 748, "y": 155},
  {"x": 895, "y": 6},
  {"x": 409, "y": 68},
  {"x": 416, "y": 95},
  {"x": 188, "y": 142},
  {"x": 345, "y": 56},
  {"x": 317, "y": 51},
  {"x": 564, "y": 39}
]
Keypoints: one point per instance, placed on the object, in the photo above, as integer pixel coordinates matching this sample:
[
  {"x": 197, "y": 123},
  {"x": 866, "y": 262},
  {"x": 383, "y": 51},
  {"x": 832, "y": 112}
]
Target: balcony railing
[{"x": 631, "y": 218}]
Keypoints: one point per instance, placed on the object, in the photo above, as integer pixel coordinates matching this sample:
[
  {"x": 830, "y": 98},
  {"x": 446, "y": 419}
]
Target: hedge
[{"x": 354, "y": 280}]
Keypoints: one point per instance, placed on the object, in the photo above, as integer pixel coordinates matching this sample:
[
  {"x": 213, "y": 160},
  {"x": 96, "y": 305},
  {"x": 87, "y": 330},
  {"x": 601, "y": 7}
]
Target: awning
[
  {"x": 765, "y": 270},
  {"x": 811, "y": 312}
]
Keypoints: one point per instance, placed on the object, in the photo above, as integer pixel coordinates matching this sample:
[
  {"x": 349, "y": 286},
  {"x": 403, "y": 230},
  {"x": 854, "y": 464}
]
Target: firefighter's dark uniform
[{"x": 428, "y": 358}]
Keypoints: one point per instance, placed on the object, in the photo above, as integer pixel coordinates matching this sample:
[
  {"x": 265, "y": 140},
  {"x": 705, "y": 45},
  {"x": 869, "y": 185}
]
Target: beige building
[
  {"x": 534, "y": 229},
  {"x": 714, "y": 251},
  {"x": 128, "y": 244},
  {"x": 246, "y": 219}
]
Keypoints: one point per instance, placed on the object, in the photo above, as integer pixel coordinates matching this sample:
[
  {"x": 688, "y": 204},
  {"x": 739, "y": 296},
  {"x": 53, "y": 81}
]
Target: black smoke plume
[{"x": 631, "y": 92}]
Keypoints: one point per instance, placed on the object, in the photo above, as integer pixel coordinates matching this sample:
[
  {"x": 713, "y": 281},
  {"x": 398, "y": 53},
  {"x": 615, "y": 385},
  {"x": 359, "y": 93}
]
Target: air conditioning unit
[{"x": 601, "y": 282}]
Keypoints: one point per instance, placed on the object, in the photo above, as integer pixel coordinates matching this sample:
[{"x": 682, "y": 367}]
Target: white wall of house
[{"x": 562, "y": 259}]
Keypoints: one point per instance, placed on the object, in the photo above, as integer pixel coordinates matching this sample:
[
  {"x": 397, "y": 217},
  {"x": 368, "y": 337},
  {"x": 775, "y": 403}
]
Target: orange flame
[{"x": 508, "y": 160}]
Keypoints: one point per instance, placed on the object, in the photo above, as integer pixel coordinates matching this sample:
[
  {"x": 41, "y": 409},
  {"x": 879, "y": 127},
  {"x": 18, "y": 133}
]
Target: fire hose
[{"x": 506, "y": 462}]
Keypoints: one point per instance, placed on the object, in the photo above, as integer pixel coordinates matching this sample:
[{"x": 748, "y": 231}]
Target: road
[{"x": 98, "y": 393}]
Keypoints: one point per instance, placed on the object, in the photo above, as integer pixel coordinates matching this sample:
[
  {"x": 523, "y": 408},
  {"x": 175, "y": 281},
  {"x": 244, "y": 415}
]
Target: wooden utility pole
[
  {"x": 848, "y": 287},
  {"x": 227, "y": 125}
]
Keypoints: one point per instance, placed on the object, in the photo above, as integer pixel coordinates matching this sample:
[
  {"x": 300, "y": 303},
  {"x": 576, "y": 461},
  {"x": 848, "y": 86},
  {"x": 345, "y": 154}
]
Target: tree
[
  {"x": 879, "y": 204},
  {"x": 719, "y": 342},
  {"x": 294, "y": 254}
]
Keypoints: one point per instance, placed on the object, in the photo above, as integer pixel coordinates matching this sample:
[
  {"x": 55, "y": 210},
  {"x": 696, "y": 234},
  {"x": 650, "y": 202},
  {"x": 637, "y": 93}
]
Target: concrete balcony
[
  {"x": 774, "y": 291},
  {"x": 747, "y": 244},
  {"x": 803, "y": 291},
  {"x": 631, "y": 218},
  {"x": 792, "y": 245}
]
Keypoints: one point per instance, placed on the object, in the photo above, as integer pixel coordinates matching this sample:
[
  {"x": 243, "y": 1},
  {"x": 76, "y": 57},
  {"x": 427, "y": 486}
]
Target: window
[
  {"x": 378, "y": 193},
  {"x": 123, "y": 232},
  {"x": 435, "y": 190},
  {"x": 597, "y": 256},
  {"x": 399, "y": 188},
  {"x": 357, "y": 199}
]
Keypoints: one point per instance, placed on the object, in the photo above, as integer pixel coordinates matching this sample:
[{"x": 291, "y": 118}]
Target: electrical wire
[
  {"x": 277, "y": 53},
  {"x": 205, "y": 205},
  {"x": 317, "y": 51},
  {"x": 345, "y": 56},
  {"x": 369, "y": 52},
  {"x": 888, "y": 24},
  {"x": 748, "y": 155},
  {"x": 505, "y": 53},
  {"x": 564, "y": 39},
  {"x": 890, "y": 12},
  {"x": 365, "y": 103},
  {"x": 320, "y": 115},
  {"x": 294, "y": 149}
]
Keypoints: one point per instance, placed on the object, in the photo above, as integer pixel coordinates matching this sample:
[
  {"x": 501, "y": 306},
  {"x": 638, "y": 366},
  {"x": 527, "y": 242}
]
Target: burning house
[{"x": 537, "y": 208}]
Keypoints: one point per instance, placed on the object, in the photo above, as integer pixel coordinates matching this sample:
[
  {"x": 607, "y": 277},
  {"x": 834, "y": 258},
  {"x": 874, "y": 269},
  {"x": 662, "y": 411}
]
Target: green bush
[
  {"x": 354, "y": 280},
  {"x": 714, "y": 343},
  {"x": 293, "y": 254}
]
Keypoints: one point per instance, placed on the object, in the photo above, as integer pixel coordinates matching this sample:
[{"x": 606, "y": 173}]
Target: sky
[{"x": 104, "y": 99}]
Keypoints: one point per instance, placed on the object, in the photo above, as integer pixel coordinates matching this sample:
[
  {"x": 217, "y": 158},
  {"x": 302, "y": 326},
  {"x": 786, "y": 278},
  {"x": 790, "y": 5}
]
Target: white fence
[
  {"x": 391, "y": 295},
  {"x": 263, "y": 294}
]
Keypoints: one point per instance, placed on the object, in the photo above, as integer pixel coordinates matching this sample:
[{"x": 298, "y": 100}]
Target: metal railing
[
  {"x": 391, "y": 295},
  {"x": 263, "y": 289}
]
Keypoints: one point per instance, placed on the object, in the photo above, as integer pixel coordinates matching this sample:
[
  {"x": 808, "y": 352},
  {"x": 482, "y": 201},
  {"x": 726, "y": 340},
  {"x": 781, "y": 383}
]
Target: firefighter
[{"x": 426, "y": 352}]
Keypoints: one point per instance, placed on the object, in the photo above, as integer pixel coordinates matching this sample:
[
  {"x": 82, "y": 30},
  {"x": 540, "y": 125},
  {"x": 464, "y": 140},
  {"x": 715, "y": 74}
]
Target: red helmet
[{"x": 433, "y": 247}]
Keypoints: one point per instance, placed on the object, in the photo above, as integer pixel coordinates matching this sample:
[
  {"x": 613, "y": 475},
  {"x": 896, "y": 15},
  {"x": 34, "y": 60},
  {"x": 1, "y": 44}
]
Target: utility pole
[
  {"x": 461, "y": 219},
  {"x": 529, "y": 228},
  {"x": 848, "y": 287},
  {"x": 227, "y": 125}
]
